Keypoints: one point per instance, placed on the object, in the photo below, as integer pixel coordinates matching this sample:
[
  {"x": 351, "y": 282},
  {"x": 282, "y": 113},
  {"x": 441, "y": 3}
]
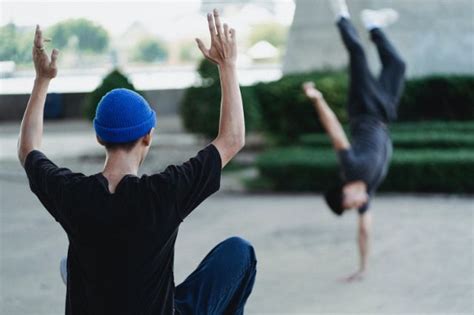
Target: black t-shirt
[
  {"x": 121, "y": 245},
  {"x": 369, "y": 156}
]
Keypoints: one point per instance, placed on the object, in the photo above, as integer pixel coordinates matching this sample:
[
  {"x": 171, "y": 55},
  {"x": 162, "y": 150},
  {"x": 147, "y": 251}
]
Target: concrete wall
[
  {"x": 12, "y": 107},
  {"x": 434, "y": 36}
]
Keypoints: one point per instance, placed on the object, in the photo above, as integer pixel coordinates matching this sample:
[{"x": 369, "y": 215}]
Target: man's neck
[{"x": 119, "y": 163}]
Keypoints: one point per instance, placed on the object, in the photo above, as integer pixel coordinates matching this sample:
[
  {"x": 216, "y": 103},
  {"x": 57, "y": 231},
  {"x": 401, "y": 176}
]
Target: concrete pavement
[
  {"x": 422, "y": 259},
  {"x": 421, "y": 262}
]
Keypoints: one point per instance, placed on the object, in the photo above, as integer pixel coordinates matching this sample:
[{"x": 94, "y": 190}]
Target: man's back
[
  {"x": 121, "y": 244},
  {"x": 114, "y": 237},
  {"x": 371, "y": 150}
]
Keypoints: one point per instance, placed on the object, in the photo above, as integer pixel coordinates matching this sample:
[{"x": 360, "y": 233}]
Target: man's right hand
[
  {"x": 223, "y": 51},
  {"x": 311, "y": 92}
]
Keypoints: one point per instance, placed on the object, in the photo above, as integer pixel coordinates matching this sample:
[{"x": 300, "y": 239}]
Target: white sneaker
[
  {"x": 340, "y": 9},
  {"x": 63, "y": 269},
  {"x": 378, "y": 18}
]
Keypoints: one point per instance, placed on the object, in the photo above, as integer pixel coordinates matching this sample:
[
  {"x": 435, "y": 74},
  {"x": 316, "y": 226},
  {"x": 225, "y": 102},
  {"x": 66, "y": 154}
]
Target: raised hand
[
  {"x": 223, "y": 49},
  {"x": 45, "y": 67},
  {"x": 311, "y": 92}
]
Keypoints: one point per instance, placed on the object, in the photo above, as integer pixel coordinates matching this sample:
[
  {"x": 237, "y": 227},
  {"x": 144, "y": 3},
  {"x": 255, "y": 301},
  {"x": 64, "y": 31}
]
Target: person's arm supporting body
[
  {"x": 327, "y": 117},
  {"x": 223, "y": 52},
  {"x": 365, "y": 221},
  {"x": 340, "y": 142},
  {"x": 31, "y": 130},
  {"x": 363, "y": 231}
]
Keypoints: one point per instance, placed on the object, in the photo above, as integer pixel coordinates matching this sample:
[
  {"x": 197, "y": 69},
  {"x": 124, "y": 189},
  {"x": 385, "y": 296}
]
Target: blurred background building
[
  {"x": 154, "y": 47},
  {"x": 434, "y": 36}
]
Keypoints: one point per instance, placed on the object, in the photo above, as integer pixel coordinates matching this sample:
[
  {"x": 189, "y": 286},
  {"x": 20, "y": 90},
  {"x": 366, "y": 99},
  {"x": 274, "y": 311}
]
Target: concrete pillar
[{"x": 433, "y": 36}]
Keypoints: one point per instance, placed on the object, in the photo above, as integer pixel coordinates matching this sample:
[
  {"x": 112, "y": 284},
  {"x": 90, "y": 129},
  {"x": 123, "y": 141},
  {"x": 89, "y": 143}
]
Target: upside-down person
[
  {"x": 122, "y": 228},
  {"x": 372, "y": 104}
]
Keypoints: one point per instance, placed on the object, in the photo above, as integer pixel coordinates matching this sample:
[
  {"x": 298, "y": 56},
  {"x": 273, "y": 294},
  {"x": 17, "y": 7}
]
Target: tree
[
  {"x": 91, "y": 37},
  {"x": 150, "y": 50},
  {"x": 8, "y": 49},
  {"x": 274, "y": 33},
  {"x": 188, "y": 51},
  {"x": 15, "y": 44}
]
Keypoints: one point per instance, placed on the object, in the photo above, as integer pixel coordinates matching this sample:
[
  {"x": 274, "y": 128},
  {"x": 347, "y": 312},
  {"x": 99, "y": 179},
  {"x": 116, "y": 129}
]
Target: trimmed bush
[
  {"x": 309, "y": 169},
  {"x": 113, "y": 80},
  {"x": 440, "y": 126},
  {"x": 438, "y": 98},
  {"x": 288, "y": 113},
  {"x": 433, "y": 140},
  {"x": 297, "y": 169},
  {"x": 408, "y": 140},
  {"x": 431, "y": 171},
  {"x": 200, "y": 108}
]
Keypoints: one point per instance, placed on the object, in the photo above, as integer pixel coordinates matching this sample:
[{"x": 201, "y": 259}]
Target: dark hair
[
  {"x": 334, "y": 197},
  {"x": 125, "y": 146}
]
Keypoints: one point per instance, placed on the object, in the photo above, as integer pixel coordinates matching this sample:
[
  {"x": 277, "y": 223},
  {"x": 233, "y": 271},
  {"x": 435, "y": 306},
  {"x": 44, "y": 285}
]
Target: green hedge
[
  {"x": 438, "y": 98},
  {"x": 309, "y": 169},
  {"x": 441, "y": 126},
  {"x": 408, "y": 140},
  {"x": 200, "y": 107},
  {"x": 281, "y": 110},
  {"x": 288, "y": 113}
]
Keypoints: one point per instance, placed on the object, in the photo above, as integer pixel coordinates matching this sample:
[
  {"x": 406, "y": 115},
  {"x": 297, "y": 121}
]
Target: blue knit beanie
[{"x": 123, "y": 116}]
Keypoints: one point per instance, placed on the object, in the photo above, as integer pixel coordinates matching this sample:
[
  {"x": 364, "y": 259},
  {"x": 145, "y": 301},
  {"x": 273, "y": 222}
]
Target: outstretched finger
[
  {"x": 38, "y": 42},
  {"x": 54, "y": 57},
  {"x": 201, "y": 46},
  {"x": 232, "y": 33},
  {"x": 218, "y": 23},
  {"x": 212, "y": 27},
  {"x": 226, "y": 31}
]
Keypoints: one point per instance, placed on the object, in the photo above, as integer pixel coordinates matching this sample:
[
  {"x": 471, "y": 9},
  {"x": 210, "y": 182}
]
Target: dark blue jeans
[
  {"x": 221, "y": 283},
  {"x": 379, "y": 96}
]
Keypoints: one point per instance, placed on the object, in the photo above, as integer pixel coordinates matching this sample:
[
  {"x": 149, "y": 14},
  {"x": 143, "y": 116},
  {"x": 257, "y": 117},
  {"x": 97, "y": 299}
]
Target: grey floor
[
  {"x": 422, "y": 245},
  {"x": 422, "y": 258}
]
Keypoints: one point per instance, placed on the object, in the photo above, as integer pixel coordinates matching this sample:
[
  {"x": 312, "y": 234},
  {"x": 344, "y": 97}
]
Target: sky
[{"x": 166, "y": 18}]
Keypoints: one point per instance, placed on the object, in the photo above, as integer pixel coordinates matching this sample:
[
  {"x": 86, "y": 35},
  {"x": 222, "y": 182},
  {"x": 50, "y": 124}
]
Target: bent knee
[
  {"x": 238, "y": 243},
  {"x": 241, "y": 246}
]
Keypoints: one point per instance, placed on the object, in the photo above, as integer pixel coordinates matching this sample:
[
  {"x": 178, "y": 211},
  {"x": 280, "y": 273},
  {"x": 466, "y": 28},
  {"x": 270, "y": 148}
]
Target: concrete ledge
[{"x": 12, "y": 106}]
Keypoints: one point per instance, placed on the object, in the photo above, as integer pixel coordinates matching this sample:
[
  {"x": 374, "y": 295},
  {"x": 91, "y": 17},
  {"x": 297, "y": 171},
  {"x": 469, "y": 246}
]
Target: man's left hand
[{"x": 44, "y": 65}]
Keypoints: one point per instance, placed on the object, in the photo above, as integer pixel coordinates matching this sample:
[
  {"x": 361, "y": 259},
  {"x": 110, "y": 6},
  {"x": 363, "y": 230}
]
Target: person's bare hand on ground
[
  {"x": 311, "y": 91},
  {"x": 45, "y": 66},
  {"x": 223, "y": 50},
  {"x": 357, "y": 276}
]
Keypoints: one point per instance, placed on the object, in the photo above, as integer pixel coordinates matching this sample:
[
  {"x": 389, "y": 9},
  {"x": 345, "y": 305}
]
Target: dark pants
[
  {"x": 221, "y": 283},
  {"x": 369, "y": 95}
]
